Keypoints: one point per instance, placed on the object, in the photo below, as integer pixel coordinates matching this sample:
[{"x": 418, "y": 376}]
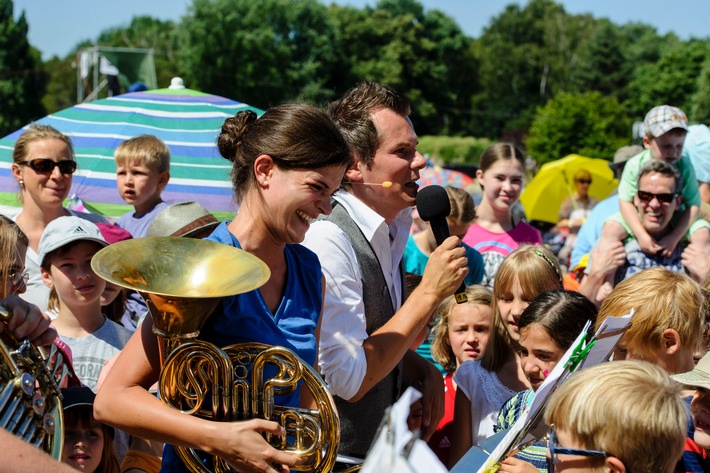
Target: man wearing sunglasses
[{"x": 657, "y": 202}]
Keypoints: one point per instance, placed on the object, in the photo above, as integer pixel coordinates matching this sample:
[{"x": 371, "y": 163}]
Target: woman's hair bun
[{"x": 233, "y": 130}]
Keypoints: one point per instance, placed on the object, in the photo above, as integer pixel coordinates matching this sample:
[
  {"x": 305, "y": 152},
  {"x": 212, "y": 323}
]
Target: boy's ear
[
  {"x": 47, "y": 278},
  {"x": 670, "y": 341},
  {"x": 646, "y": 142},
  {"x": 163, "y": 179},
  {"x": 615, "y": 465}
]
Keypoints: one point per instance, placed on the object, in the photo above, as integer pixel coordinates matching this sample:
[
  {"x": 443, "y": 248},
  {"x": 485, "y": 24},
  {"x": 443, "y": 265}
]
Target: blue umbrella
[{"x": 188, "y": 121}]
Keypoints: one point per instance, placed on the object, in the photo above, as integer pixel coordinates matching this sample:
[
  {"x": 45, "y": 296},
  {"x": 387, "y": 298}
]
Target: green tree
[
  {"x": 22, "y": 83},
  {"x": 700, "y": 111},
  {"x": 423, "y": 54},
  {"x": 526, "y": 56},
  {"x": 671, "y": 80},
  {"x": 589, "y": 124},
  {"x": 262, "y": 53},
  {"x": 603, "y": 66}
]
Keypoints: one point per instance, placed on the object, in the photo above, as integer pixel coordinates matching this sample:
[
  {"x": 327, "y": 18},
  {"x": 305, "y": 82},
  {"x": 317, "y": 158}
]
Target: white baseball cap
[{"x": 64, "y": 230}]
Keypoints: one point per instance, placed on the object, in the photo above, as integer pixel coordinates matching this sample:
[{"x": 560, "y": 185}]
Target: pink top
[{"x": 494, "y": 247}]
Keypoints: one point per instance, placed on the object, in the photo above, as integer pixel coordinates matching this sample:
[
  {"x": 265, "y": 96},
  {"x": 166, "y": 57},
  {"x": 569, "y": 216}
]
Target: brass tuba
[
  {"x": 30, "y": 400},
  {"x": 182, "y": 281}
]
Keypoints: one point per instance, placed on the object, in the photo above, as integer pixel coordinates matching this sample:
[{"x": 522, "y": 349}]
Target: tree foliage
[
  {"x": 527, "y": 55},
  {"x": 700, "y": 111},
  {"x": 423, "y": 54},
  {"x": 589, "y": 124},
  {"x": 262, "y": 53},
  {"x": 22, "y": 83},
  {"x": 670, "y": 80}
]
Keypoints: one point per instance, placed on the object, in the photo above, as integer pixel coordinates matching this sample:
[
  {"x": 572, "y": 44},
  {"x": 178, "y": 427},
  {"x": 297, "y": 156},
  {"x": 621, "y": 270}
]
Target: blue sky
[{"x": 56, "y": 26}]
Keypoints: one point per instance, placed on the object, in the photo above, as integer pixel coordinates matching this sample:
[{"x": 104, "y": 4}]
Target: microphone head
[{"x": 432, "y": 203}]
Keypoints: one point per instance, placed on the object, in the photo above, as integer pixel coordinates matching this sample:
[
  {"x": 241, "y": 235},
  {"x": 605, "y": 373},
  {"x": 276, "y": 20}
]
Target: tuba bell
[
  {"x": 182, "y": 281},
  {"x": 30, "y": 399}
]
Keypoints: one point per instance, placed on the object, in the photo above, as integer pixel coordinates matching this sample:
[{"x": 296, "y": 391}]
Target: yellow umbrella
[{"x": 545, "y": 193}]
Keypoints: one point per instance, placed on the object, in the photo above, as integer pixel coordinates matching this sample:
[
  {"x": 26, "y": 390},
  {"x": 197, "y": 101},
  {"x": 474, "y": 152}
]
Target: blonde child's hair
[
  {"x": 663, "y": 300},
  {"x": 145, "y": 149},
  {"x": 537, "y": 271},
  {"x": 83, "y": 417},
  {"x": 10, "y": 236},
  {"x": 463, "y": 210},
  {"x": 623, "y": 408},
  {"x": 441, "y": 345}
]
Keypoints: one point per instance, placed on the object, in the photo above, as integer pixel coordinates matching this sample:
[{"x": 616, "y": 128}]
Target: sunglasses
[
  {"x": 647, "y": 197},
  {"x": 44, "y": 166},
  {"x": 584, "y": 181},
  {"x": 555, "y": 450},
  {"x": 17, "y": 278}
]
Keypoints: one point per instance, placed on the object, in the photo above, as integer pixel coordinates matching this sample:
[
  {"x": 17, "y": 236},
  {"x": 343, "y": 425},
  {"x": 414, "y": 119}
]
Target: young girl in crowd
[
  {"x": 548, "y": 327},
  {"x": 484, "y": 385},
  {"x": 88, "y": 444},
  {"x": 65, "y": 251},
  {"x": 496, "y": 232},
  {"x": 460, "y": 334}
]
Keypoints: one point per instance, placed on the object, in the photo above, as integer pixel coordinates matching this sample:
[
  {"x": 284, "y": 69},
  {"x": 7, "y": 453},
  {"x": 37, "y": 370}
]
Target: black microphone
[{"x": 433, "y": 207}]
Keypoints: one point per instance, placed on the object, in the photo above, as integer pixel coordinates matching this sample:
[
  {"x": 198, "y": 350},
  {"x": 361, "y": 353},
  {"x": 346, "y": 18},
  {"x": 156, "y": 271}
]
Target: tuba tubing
[{"x": 30, "y": 399}]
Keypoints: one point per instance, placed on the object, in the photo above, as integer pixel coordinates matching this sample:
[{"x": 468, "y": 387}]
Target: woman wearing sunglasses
[
  {"x": 574, "y": 211},
  {"x": 622, "y": 417},
  {"x": 43, "y": 164}
]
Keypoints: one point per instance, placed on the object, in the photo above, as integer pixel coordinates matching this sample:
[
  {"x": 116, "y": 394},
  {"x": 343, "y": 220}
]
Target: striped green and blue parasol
[{"x": 188, "y": 121}]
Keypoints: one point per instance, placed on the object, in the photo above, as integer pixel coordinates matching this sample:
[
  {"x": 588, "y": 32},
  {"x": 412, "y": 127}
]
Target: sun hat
[
  {"x": 699, "y": 376},
  {"x": 64, "y": 230},
  {"x": 77, "y": 396},
  {"x": 664, "y": 118},
  {"x": 183, "y": 219},
  {"x": 623, "y": 154},
  {"x": 80, "y": 396}
]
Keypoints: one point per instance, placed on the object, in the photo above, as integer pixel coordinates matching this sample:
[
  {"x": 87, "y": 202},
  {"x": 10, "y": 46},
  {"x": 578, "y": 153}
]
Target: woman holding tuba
[{"x": 286, "y": 165}]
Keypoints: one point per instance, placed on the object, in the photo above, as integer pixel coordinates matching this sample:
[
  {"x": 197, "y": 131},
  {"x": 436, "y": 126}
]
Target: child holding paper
[{"x": 548, "y": 327}]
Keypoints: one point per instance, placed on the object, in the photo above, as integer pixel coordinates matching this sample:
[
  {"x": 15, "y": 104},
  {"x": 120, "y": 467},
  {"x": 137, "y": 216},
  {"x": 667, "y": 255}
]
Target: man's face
[
  {"x": 651, "y": 200},
  {"x": 397, "y": 161}
]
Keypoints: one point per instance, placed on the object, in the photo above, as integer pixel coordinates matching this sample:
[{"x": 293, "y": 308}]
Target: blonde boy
[
  {"x": 668, "y": 324},
  {"x": 666, "y": 128},
  {"x": 142, "y": 172},
  {"x": 626, "y": 416}
]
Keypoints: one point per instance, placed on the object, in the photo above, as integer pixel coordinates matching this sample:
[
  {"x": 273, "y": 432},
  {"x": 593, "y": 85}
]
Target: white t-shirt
[{"x": 487, "y": 395}]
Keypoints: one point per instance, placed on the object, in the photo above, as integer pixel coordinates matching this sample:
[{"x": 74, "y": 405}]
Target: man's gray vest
[{"x": 359, "y": 420}]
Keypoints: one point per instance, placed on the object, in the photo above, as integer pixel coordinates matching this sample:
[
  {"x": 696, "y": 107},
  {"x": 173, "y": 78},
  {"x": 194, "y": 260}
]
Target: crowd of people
[{"x": 325, "y": 201}]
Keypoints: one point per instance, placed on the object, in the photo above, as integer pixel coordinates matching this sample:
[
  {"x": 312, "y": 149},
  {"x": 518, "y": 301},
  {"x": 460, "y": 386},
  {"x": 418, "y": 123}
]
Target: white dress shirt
[{"x": 341, "y": 357}]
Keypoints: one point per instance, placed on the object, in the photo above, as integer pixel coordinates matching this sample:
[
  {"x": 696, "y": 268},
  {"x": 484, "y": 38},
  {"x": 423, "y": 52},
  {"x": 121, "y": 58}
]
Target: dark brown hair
[
  {"x": 498, "y": 152},
  {"x": 352, "y": 113},
  {"x": 294, "y": 135}
]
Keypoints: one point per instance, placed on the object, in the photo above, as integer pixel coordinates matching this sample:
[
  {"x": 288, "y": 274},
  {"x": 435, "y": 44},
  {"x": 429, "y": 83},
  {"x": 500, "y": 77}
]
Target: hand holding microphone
[{"x": 433, "y": 207}]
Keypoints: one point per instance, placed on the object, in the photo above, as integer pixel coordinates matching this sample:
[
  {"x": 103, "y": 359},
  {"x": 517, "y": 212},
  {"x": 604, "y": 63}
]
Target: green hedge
[{"x": 453, "y": 149}]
